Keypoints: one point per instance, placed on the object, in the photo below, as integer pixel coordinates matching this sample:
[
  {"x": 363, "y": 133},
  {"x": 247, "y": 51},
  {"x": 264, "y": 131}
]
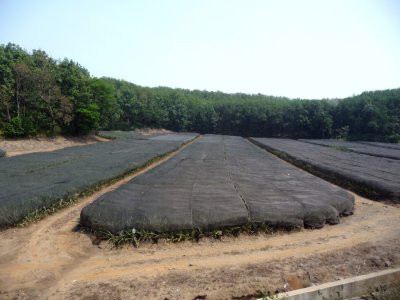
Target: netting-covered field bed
[
  {"x": 375, "y": 177},
  {"x": 384, "y": 145},
  {"x": 36, "y": 181},
  {"x": 118, "y": 134},
  {"x": 217, "y": 182},
  {"x": 357, "y": 147}
]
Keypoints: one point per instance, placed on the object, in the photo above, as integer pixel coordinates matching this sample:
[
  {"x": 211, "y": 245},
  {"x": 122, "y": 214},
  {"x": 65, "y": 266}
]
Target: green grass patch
[{"x": 136, "y": 237}]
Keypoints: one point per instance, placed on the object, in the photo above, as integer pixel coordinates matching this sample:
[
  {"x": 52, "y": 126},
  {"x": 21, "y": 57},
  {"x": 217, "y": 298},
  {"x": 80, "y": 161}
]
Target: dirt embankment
[
  {"x": 15, "y": 147},
  {"x": 24, "y": 146}
]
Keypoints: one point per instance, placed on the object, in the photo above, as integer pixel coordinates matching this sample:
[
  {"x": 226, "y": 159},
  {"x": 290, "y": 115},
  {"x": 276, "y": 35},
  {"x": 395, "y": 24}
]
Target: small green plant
[
  {"x": 270, "y": 296},
  {"x": 264, "y": 295},
  {"x": 136, "y": 237}
]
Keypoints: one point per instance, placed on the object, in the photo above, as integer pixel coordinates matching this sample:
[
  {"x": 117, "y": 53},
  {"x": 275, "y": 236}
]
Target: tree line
[{"x": 41, "y": 95}]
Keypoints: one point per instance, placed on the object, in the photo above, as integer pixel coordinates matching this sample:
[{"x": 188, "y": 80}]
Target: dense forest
[{"x": 41, "y": 95}]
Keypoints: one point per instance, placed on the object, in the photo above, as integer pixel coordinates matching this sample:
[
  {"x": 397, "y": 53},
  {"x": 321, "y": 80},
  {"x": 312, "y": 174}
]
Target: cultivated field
[
  {"x": 375, "y": 177},
  {"x": 49, "y": 260},
  {"x": 221, "y": 177},
  {"x": 39, "y": 181},
  {"x": 373, "y": 150},
  {"x": 217, "y": 182}
]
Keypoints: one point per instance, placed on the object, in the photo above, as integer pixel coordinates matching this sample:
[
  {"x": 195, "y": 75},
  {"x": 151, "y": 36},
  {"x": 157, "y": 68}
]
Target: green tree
[
  {"x": 87, "y": 118},
  {"x": 57, "y": 106},
  {"x": 104, "y": 95}
]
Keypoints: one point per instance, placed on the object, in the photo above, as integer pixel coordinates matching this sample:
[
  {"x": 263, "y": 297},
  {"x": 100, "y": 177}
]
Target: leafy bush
[
  {"x": 19, "y": 127},
  {"x": 88, "y": 118},
  {"x": 14, "y": 128},
  {"x": 394, "y": 138}
]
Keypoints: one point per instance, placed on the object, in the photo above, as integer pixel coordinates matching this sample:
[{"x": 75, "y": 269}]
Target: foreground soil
[
  {"x": 24, "y": 146},
  {"x": 49, "y": 260}
]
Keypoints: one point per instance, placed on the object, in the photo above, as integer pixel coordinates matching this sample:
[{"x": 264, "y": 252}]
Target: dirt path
[
  {"x": 48, "y": 260},
  {"x": 24, "y": 146}
]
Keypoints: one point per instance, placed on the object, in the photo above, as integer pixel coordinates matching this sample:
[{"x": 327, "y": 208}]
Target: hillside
[{"x": 41, "y": 95}]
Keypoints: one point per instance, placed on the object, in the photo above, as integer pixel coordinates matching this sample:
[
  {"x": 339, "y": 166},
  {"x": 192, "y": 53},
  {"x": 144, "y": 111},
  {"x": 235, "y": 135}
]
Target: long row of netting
[
  {"x": 36, "y": 181},
  {"x": 375, "y": 177},
  {"x": 217, "y": 182},
  {"x": 384, "y": 145},
  {"x": 373, "y": 150}
]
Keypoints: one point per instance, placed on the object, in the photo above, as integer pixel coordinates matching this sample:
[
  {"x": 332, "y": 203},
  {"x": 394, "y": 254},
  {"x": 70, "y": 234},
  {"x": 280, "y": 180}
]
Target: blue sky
[{"x": 306, "y": 49}]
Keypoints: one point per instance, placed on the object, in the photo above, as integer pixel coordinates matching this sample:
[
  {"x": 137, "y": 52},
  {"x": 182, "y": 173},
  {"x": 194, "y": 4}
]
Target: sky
[{"x": 300, "y": 49}]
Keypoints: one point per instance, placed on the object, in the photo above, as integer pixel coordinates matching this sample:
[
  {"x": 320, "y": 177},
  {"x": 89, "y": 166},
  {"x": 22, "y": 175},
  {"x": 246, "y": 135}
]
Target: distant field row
[
  {"x": 383, "y": 145},
  {"x": 379, "y": 150},
  {"x": 42, "y": 180},
  {"x": 373, "y": 176}
]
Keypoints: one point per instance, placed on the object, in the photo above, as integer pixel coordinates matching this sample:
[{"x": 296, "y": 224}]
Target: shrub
[
  {"x": 19, "y": 127},
  {"x": 14, "y": 128}
]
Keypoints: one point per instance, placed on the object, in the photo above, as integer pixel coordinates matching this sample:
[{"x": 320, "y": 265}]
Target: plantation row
[
  {"x": 217, "y": 182},
  {"x": 39, "y": 181},
  {"x": 383, "y": 145},
  {"x": 357, "y": 147},
  {"x": 376, "y": 177}
]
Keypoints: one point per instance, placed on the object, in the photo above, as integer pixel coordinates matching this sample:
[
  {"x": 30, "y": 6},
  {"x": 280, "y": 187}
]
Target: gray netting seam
[{"x": 233, "y": 183}]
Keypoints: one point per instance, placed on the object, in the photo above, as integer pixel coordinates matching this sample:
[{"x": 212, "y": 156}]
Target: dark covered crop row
[
  {"x": 383, "y": 145},
  {"x": 217, "y": 182},
  {"x": 41, "y": 180},
  {"x": 372, "y": 176},
  {"x": 118, "y": 134},
  {"x": 359, "y": 148}
]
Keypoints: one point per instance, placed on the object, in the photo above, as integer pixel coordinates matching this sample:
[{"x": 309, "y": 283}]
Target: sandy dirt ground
[
  {"x": 42, "y": 144},
  {"x": 51, "y": 260},
  {"x": 24, "y": 146}
]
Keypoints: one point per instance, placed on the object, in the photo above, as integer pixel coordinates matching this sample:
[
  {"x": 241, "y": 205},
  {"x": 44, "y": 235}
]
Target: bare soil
[
  {"x": 51, "y": 260},
  {"x": 42, "y": 144}
]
